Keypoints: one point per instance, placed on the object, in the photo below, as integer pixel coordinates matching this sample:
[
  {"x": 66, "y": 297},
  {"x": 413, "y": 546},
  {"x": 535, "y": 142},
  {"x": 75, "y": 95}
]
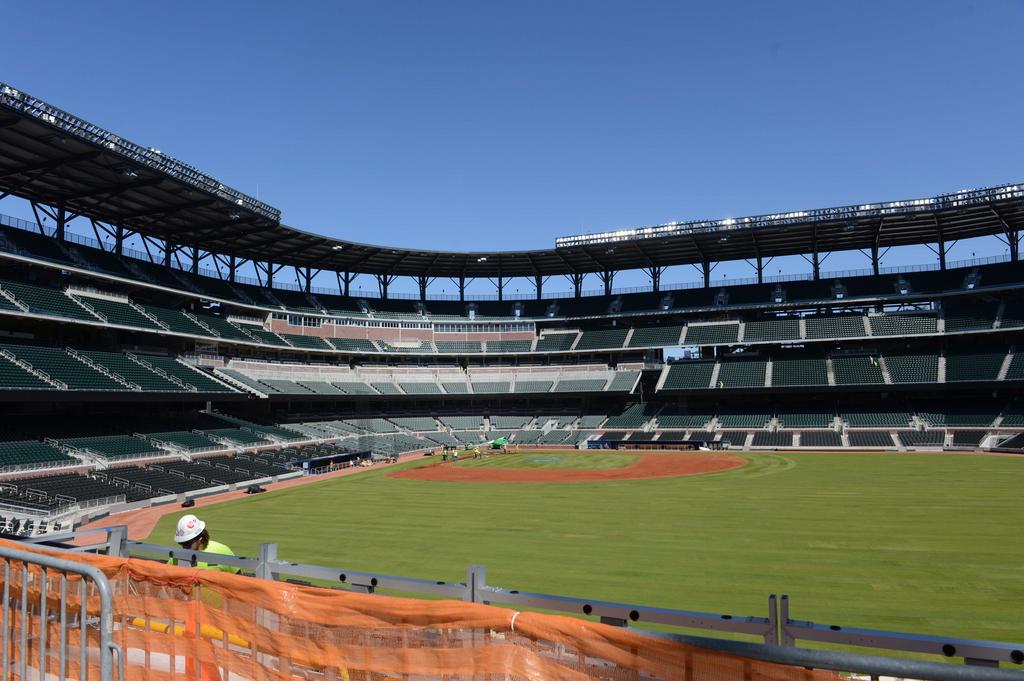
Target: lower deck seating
[
  {"x": 737, "y": 420},
  {"x": 32, "y": 454},
  {"x": 683, "y": 421},
  {"x": 969, "y": 438},
  {"x": 876, "y": 419},
  {"x": 805, "y": 419},
  {"x": 820, "y": 438},
  {"x": 778, "y": 438},
  {"x": 921, "y": 438},
  {"x": 870, "y": 438}
]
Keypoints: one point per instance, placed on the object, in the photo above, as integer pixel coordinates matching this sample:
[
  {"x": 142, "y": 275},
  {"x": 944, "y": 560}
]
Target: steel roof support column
[
  {"x": 577, "y": 282},
  {"x": 655, "y": 272},
  {"x": 62, "y": 220},
  {"x": 305, "y": 276},
  {"x": 383, "y": 281},
  {"x": 345, "y": 280},
  {"x": 422, "y": 280},
  {"x": 168, "y": 252},
  {"x": 119, "y": 237},
  {"x": 1012, "y": 236},
  {"x": 195, "y": 260},
  {"x": 941, "y": 242},
  {"x": 607, "y": 277},
  {"x": 538, "y": 284},
  {"x": 705, "y": 271}
]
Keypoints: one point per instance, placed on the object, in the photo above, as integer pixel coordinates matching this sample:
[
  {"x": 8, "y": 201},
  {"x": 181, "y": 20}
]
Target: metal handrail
[{"x": 777, "y": 630}]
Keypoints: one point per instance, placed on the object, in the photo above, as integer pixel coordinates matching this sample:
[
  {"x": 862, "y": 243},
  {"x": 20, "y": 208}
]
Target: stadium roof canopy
[{"x": 53, "y": 158}]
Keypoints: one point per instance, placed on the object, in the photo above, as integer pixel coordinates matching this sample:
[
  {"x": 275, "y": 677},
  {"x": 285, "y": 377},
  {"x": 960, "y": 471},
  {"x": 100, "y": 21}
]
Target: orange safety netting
[{"x": 180, "y": 623}]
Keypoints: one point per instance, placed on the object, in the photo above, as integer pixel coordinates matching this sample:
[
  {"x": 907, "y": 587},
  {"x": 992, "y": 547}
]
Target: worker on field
[{"x": 192, "y": 534}]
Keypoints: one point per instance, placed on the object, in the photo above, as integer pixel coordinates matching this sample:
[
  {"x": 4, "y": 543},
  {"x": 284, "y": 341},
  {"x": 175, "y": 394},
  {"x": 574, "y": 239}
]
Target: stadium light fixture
[
  {"x": 337, "y": 247},
  {"x": 234, "y": 216},
  {"x": 482, "y": 258}
]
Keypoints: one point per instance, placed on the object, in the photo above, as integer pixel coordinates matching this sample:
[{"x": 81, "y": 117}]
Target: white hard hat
[{"x": 189, "y": 527}]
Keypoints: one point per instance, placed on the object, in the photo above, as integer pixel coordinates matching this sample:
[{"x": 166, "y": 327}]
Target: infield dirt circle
[{"x": 646, "y": 466}]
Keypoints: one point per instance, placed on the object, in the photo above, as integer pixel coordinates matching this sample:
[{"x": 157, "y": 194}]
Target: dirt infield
[{"x": 646, "y": 466}]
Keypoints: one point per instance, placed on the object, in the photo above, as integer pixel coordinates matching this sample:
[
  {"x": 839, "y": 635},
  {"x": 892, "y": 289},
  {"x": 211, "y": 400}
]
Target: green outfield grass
[
  {"x": 562, "y": 459},
  {"x": 915, "y": 542}
]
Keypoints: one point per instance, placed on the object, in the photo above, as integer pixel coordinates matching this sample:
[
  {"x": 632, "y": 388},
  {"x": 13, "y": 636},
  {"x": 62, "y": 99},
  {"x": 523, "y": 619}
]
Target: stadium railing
[{"x": 778, "y": 631}]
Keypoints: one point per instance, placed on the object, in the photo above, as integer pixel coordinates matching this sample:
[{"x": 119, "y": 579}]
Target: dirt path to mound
[
  {"x": 141, "y": 522},
  {"x": 646, "y": 466}
]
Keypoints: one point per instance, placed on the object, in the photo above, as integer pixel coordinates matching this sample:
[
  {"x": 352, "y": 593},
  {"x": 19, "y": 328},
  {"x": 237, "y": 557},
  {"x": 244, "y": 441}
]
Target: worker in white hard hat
[{"x": 192, "y": 534}]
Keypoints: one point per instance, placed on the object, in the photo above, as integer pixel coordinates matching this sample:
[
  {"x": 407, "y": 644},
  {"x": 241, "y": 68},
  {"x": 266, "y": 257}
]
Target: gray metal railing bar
[
  {"x": 625, "y": 612},
  {"x": 777, "y": 628},
  {"x": 108, "y": 648},
  {"x": 970, "y": 649},
  {"x": 846, "y": 662}
]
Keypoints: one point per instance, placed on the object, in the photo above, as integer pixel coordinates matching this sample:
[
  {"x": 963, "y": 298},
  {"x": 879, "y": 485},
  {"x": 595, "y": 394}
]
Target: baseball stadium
[{"x": 801, "y": 475}]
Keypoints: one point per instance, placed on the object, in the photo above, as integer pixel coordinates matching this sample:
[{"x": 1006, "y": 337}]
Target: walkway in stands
[{"x": 142, "y": 521}]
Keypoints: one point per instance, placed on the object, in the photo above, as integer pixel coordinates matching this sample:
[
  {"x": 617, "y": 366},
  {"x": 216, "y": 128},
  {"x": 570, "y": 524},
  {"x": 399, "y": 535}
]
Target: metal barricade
[{"x": 37, "y": 639}]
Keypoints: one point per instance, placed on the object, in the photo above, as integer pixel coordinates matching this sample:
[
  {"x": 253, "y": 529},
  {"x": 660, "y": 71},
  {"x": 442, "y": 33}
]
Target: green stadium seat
[
  {"x": 47, "y": 301},
  {"x": 509, "y": 346},
  {"x": 913, "y": 368},
  {"x": 353, "y": 344},
  {"x": 13, "y": 377},
  {"x": 741, "y": 374},
  {"x": 176, "y": 320},
  {"x": 773, "y": 330},
  {"x": 903, "y": 325},
  {"x": 602, "y": 339},
  {"x": 485, "y": 387},
  {"x": 712, "y": 334},
  {"x": 835, "y": 326},
  {"x": 793, "y": 372},
  {"x": 688, "y": 376},
  {"x": 581, "y": 385},
  {"x": 420, "y": 388},
  {"x": 857, "y": 370},
  {"x": 131, "y": 371},
  {"x": 555, "y": 342},
  {"x": 458, "y": 347},
  {"x": 533, "y": 386},
  {"x": 306, "y": 342},
  {"x": 185, "y": 373},
  {"x": 655, "y": 337},
  {"x": 973, "y": 366},
  {"x": 623, "y": 381},
  {"x": 59, "y": 365},
  {"x": 118, "y": 312}
]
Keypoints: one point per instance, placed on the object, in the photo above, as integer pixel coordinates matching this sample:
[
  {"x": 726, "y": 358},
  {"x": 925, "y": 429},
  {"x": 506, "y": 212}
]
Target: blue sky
[{"x": 500, "y": 126}]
